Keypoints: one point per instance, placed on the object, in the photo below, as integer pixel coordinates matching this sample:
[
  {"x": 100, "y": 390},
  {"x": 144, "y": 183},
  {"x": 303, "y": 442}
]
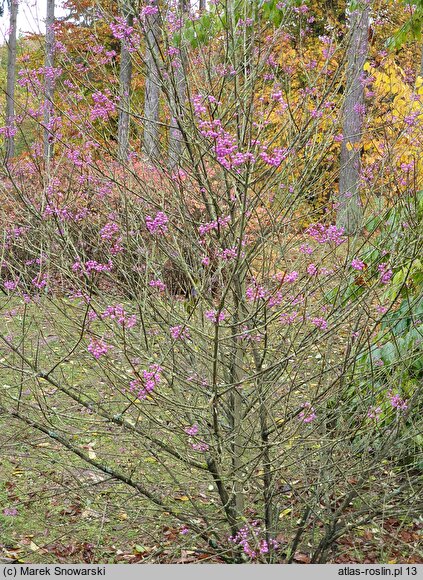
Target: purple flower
[
  {"x": 179, "y": 332},
  {"x": 385, "y": 273},
  {"x": 320, "y": 323},
  {"x": 308, "y": 413},
  {"x": 358, "y": 264},
  {"x": 193, "y": 430},
  {"x": 200, "y": 446},
  {"x": 374, "y": 413},
  {"x": 325, "y": 234},
  {"x": 215, "y": 316},
  {"x": 158, "y": 224},
  {"x": 161, "y": 286},
  {"x": 397, "y": 402},
  {"x": 10, "y": 285},
  {"x": 102, "y": 108},
  {"x": 291, "y": 277},
  {"x": 12, "y": 512},
  {"x": 98, "y": 347},
  {"x": 141, "y": 387}
]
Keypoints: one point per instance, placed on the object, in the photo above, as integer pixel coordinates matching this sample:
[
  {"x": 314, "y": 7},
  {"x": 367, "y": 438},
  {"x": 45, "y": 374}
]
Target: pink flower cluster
[
  {"x": 215, "y": 316},
  {"x": 120, "y": 28},
  {"x": 103, "y": 106},
  {"x": 119, "y": 314},
  {"x": 325, "y": 234},
  {"x": 11, "y": 512},
  {"x": 179, "y": 332},
  {"x": 255, "y": 292},
  {"x": 226, "y": 147},
  {"x": 385, "y": 273},
  {"x": 10, "y": 285},
  {"x": 289, "y": 277},
  {"x": 358, "y": 264},
  {"x": 275, "y": 158},
  {"x": 92, "y": 266},
  {"x": 110, "y": 233},
  {"x": 248, "y": 538},
  {"x": 202, "y": 447},
  {"x": 397, "y": 402},
  {"x": 228, "y": 254},
  {"x": 9, "y": 131},
  {"x": 319, "y": 323},
  {"x": 161, "y": 286},
  {"x": 39, "y": 281},
  {"x": 374, "y": 413},
  {"x": 158, "y": 224},
  {"x": 98, "y": 347},
  {"x": 287, "y": 319},
  {"x": 221, "y": 222},
  {"x": 149, "y": 10},
  {"x": 308, "y": 413},
  {"x": 306, "y": 249},
  {"x": 276, "y": 299},
  {"x": 193, "y": 430},
  {"x": 141, "y": 387}
]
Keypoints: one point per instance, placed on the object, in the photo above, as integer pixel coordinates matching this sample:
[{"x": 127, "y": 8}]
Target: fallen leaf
[{"x": 302, "y": 558}]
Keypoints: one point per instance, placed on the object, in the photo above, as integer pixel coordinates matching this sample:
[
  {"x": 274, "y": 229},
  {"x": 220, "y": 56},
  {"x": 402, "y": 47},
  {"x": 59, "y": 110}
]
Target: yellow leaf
[
  {"x": 182, "y": 498},
  {"x": 34, "y": 547},
  {"x": 284, "y": 513}
]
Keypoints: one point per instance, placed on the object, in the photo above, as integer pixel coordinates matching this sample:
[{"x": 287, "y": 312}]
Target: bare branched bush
[{"x": 204, "y": 335}]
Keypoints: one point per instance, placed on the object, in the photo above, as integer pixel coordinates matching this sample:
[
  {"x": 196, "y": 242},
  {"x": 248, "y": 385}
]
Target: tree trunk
[
  {"x": 152, "y": 93},
  {"x": 178, "y": 99},
  {"x": 10, "y": 83},
  {"x": 49, "y": 64},
  {"x": 125, "y": 78},
  {"x": 202, "y": 5},
  {"x": 350, "y": 213}
]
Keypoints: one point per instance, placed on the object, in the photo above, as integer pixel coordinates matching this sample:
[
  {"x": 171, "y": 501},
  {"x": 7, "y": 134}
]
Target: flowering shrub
[{"x": 186, "y": 312}]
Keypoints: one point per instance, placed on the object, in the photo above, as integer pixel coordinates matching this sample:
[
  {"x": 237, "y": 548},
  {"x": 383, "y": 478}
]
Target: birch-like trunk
[
  {"x": 48, "y": 82},
  {"x": 125, "y": 79},
  {"x": 178, "y": 100},
  {"x": 152, "y": 92},
  {"x": 350, "y": 212},
  {"x": 10, "y": 83}
]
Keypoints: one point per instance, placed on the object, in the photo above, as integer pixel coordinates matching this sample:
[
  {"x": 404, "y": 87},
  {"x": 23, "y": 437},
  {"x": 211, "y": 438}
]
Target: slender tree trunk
[
  {"x": 49, "y": 64},
  {"x": 202, "y": 5},
  {"x": 350, "y": 213},
  {"x": 125, "y": 78},
  {"x": 177, "y": 104},
  {"x": 152, "y": 92},
  {"x": 10, "y": 83}
]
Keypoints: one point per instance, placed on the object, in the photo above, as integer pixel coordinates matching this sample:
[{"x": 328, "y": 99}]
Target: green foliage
[{"x": 411, "y": 29}]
